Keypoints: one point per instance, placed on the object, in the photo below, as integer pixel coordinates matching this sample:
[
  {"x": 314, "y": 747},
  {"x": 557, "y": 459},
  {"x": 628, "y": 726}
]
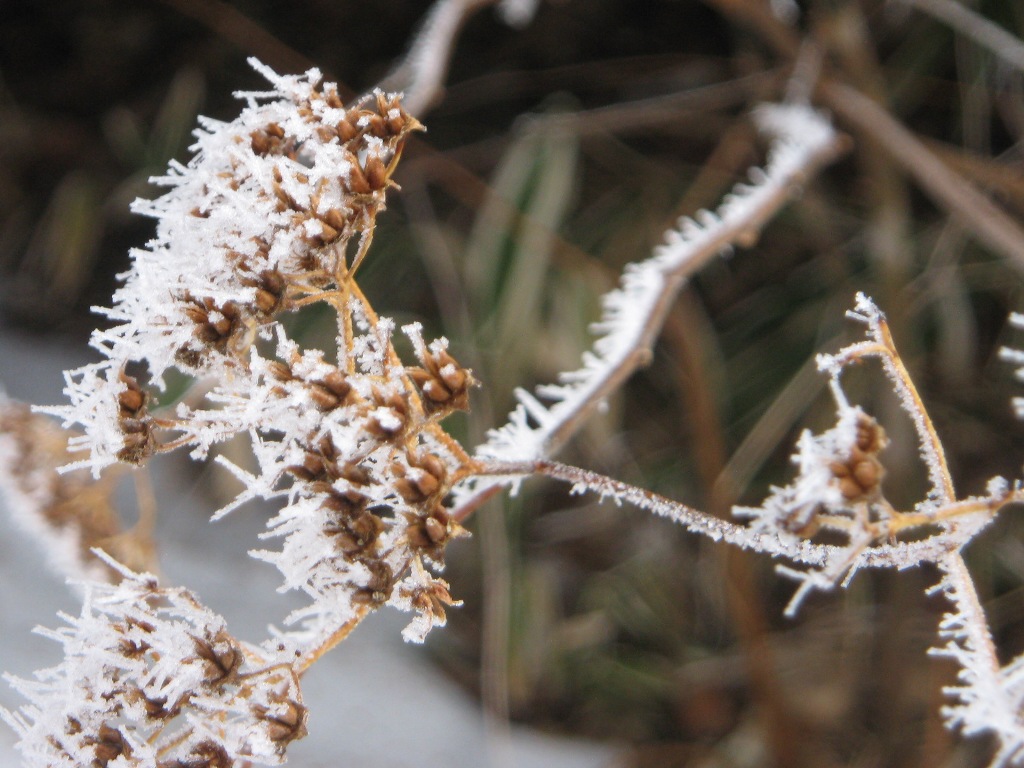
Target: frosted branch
[
  {"x": 633, "y": 314},
  {"x": 420, "y": 75},
  {"x": 988, "y": 698}
]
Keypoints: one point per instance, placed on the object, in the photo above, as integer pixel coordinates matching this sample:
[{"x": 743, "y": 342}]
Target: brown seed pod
[
  {"x": 376, "y": 173},
  {"x": 132, "y": 399},
  {"x": 270, "y": 287},
  {"x": 390, "y": 419},
  {"x": 356, "y": 183},
  {"x": 870, "y": 435},
  {"x": 206, "y": 754},
  {"x": 334, "y": 218},
  {"x": 159, "y": 710},
  {"x": 432, "y": 600},
  {"x": 859, "y": 476},
  {"x": 139, "y": 442},
  {"x": 346, "y": 131},
  {"x": 430, "y": 533},
  {"x": 356, "y": 534},
  {"x": 287, "y": 722},
  {"x": 423, "y": 479},
  {"x": 378, "y": 589},
  {"x": 221, "y": 657},
  {"x": 110, "y": 745},
  {"x": 444, "y": 383},
  {"x": 280, "y": 371},
  {"x": 331, "y": 98}
]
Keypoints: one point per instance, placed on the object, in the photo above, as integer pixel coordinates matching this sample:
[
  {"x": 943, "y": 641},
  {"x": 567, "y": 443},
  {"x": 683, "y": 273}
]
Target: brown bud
[
  {"x": 436, "y": 530},
  {"x": 197, "y": 314},
  {"x": 838, "y": 469},
  {"x": 868, "y": 473},
  {"x": 260, "y": 142},
  {"x": 345, "y": 502},
  {"x": 206, "y": 754},
  {"x": 222, "y": 326},
  {"x": 328, "y": 234},
  {"x": 133, "y": 649},
  {"x": 377, "y": 126},
  {"x": 287, "y": 724},
  {"x": 332, "y": 99},
  {"x": 158, "y": 709},
  {"x": 326, "y": 133},
  {"x": 346, "y": 131},
  {"x": 221, "y": 656},
  {"x": 379, "y": 587},
  {"x": 139, "y": 444},
  {"x": 396, "y": 123},
  {"x": 376, "y": 173},
  {"x": 850, "y": 489},
  {"x": 131, "y": 400},
  {"x": 323, "y": 398},
  {"x": 335, "y": 218},
  {"x": 357, "y": 183},
  {"x": 436, "y": 392},
  {"x": 266, "y": 301},
  {"x": 280, "y": 371},
  {"x": 110, "y": 745},
  {"x": 870, "y": 435},
  {"x": 454, "y": 377}
]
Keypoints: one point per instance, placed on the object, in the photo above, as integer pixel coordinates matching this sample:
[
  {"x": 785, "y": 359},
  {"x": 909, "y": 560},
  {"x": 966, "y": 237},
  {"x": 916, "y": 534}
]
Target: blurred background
[{"x": 559, "y": 152}]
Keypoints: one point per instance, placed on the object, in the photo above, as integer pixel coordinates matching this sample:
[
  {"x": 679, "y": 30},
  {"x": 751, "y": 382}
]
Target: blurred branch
[
  {"x": 420, "y": 75},
  {"x": 961, "y": 199},
  {"x": 994, "y": 228},
  {"x": 979, "y": 29}
]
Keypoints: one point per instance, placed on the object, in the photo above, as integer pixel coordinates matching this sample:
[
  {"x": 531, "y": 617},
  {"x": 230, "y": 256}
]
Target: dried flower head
[
  {"x": 156, "y": 680},
  {"x": 274, "y": 213}
]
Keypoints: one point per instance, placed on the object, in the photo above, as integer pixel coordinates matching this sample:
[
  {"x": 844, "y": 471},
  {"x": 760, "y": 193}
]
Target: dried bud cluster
[
  {"x": 257, "y": 224},
  {"x": 860, "y": 474},
  {"x": 158, "y": 682},
  {"x": 358, "y": 449},
  {"x": 260, "y": 218},
  {"x": 839, "y": 471},
  {"x": 348, "y": 444}
]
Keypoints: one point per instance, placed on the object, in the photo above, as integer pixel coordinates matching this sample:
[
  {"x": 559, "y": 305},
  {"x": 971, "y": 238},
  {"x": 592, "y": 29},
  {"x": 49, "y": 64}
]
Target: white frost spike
[{"x": 1015, "y": 357}]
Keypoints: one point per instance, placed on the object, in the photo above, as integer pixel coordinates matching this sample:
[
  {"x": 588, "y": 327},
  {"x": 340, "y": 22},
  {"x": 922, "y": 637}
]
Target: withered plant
[{"x": 276, "y": 213}]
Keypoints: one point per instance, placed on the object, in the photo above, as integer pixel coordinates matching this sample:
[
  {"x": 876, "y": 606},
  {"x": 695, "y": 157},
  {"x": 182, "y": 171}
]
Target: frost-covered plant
[
  {"x": 275, "y": 213},
  {"x": 152, "y": 677}
]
